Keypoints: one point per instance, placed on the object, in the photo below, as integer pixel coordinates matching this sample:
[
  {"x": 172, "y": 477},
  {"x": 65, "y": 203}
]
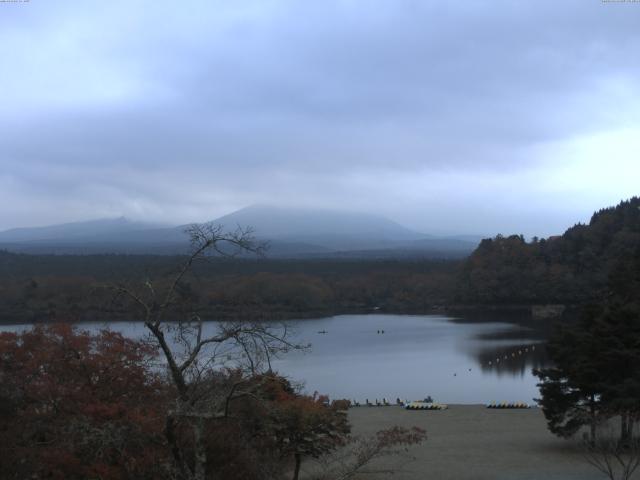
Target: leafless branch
[
  {"x": 360, "y": 453},
  {"x": 195, "y": 358},
  {"x": 613, "y": 458}
]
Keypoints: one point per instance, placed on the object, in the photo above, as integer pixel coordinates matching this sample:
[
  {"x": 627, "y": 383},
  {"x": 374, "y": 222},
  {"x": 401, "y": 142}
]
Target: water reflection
[
  {"x": 516, "y": 349},
  {"x": 517, "y": 360}
]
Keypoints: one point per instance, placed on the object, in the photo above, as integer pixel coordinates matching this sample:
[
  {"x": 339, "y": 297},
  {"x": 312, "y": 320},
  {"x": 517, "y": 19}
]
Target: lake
[{"x": 454, "y": 360}]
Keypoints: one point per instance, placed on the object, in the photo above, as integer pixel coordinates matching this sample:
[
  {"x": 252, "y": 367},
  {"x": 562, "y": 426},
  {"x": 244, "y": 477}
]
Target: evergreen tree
[
  {"x": 596, "y": 371},
  {"x": 571, "y": 389}
]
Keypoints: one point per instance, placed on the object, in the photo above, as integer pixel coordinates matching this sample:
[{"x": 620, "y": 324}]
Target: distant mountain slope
[
  {"x": 277, "y": 222},
  {"x": 290, "y": 232},
  {"x": 109, "y": 228}
]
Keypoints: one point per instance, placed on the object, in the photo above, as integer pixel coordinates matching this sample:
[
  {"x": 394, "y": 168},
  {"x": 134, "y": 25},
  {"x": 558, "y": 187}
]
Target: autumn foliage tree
[
  {"x": 81, "y": 405},
  {"x": 75, "y": 405},
  {"x": 308, "y": 426}
]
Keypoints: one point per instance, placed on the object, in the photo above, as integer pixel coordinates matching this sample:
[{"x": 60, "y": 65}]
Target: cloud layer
[{"x": 484, "y": 116}]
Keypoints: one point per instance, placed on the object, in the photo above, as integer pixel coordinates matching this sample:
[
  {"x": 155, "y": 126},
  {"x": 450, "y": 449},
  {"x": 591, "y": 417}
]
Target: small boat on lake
[
  {"x": 503, "y": 405},
  {"x": 420, "y": 405}
]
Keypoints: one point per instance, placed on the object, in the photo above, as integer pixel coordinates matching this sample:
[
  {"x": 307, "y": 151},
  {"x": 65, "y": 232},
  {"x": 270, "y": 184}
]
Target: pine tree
[{"x": 596, "y": 373}]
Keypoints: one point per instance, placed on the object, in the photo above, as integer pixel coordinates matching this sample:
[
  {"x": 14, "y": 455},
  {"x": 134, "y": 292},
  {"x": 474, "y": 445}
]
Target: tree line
[
  {"x": 571, "y": 269},
  {"x": 74, "y": 288}
]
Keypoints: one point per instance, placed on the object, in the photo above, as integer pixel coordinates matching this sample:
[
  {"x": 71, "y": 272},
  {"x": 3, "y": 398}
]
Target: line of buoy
[{"x": 513, "y": 355}]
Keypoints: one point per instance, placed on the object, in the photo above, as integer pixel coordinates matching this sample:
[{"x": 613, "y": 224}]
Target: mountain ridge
[
  {"x": 77, "y": 229},
  {"x": 290, "y": 231}
]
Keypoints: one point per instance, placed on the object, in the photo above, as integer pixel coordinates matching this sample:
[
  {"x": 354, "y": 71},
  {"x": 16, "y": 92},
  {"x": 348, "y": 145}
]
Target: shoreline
[{"x": 471, "y": 312}]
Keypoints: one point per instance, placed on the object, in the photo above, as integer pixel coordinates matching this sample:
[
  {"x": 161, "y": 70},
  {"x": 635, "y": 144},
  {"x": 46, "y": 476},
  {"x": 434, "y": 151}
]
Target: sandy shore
[{"x": 475, "y": 443}]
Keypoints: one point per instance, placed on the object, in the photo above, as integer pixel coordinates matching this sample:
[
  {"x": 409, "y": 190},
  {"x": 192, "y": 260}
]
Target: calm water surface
[{"x": 453, "y": 360}]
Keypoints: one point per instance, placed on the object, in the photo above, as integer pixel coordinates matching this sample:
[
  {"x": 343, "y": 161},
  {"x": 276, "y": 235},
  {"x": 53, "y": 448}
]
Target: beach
[{"x": 471, "y": 442}]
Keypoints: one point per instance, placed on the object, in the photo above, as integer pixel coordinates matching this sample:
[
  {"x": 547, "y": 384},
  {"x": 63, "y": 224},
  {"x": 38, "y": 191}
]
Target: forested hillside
[{"x": 574, "y": 268}]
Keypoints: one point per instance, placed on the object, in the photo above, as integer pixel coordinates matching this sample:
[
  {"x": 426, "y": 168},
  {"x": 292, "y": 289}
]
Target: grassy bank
[{"x": 471, "y": 442}]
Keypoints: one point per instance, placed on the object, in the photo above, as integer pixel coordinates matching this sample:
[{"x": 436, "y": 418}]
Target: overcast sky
[{"x": 447, "y": 116}]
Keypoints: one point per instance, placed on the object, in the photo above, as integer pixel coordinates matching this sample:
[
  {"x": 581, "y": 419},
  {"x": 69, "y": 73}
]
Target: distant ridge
[
  {"x": 291, "y": 232},
  {"x": 329, "y": 229},
  {"x": 278, "y": 221},
  {"x": 75, "y": 230}
]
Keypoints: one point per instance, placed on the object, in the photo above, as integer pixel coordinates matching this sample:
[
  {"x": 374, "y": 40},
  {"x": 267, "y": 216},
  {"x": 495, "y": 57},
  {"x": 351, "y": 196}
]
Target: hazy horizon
[
  {"x": 255, "y": 208},
  {"x": 152, "y": 225},
  {"x": 448, "y": 118}
]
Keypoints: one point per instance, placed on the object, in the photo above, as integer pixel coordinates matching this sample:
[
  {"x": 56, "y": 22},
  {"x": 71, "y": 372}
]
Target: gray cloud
[{"x": 459, "y": 116}]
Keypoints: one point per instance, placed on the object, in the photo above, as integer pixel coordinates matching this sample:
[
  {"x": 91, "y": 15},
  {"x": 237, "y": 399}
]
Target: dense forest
[
  {"x": 571, "y": 269},
  {"x": 67, "y": 287}
]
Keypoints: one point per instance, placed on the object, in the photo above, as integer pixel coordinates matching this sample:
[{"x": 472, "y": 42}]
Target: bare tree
[
  {"x": 196, "y": 353},
  {"x": 361, "y": 453},
  {"x": 614, "y": 458}
]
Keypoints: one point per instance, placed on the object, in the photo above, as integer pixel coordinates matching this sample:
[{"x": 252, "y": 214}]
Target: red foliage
[
  {"x": 274, "y": 428},
  {"x": 76, "y": 405},
  {"x": 308, "y": 426}
]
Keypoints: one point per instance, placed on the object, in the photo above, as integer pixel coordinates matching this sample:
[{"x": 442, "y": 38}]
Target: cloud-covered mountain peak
[{"x": 276, "y": 222}]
